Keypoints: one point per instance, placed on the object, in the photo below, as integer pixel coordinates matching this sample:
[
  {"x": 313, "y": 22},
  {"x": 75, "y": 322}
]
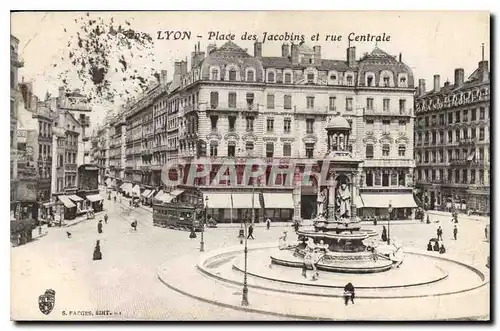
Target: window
[
  {"x": 288, "y": 78},
  {"x": 481, "y": 176},
  {"x": 270, "y": 101},
  {"x": 309, "y": 150},
  {"x": 250, "y": 99},
  {"x": 331, "y": 104},
  {"x": 369, "y": 179},
  {"x": 402, "y": 81},
  {"x": 402, "y": 106},
  {"x": 369, "y": 103},
  {"x": 464, "y": 133},
  {"x": 433, "y": 156},
  {"x": 333, "y": 77},
  {"x": 386, "y": 150},
  {"x": 402, "y": 150},
  {"x": 309, "y": 125},
  {"x": 434, "y": 137},
  {"x": 287, "y": 149},
  {"x": 249, "y": 146},
  {"x": 214, "y": 100},
  {"x": 386, "y": 81},
  {"x": 349, "y": 80},
  {"x": 310, "y": 102},
  {"x": 441, "y": 119},
  {"x": 473, "y": 114},
  {"x": 249, "y": 122},
  {"x": 269, "y": 149},
  {"x": 385, "y": 178},
  {"x": 310, "y": 78},
  {"x": 287, "y": 102},
  {"x": 386, "y": 104},
  {"x": 287, "y": 124},
  {"x": 270, "y": 77},
  {"x": 250, "y": 76},
  {"x": 12, "y": 79},
  {"x": 450, "y": 118},
  {"x": 348, "y": 104},
  {"x": 369, "y": 152},
  {"x": 231, "y": 100},
  {"x": 457, "y": 134},
  {"x": 231, "y": 149},
  {"x": 482, "y": 113},
  {"x": 473, "y": 133},
  {"x": 213, "y": 149},
  {"x": 12, "y": 106},
  {"x": 481, "y": 133},
  {"x": 215, "y": 74},
  {"x": 441, "y": 137},
  {"x": 232, "y": 122},
  {"x": 386, "y": 125},
  {"x": 369, "y": 80},
  {"x": 270, "y": 124},
  {"x": 457, "y": 116},
  {"x": 466, "y": 115},
  {"x": 402, "y": 125},
  {"x": 450, "y": 136},
  {"x": 473, "y": 176}
]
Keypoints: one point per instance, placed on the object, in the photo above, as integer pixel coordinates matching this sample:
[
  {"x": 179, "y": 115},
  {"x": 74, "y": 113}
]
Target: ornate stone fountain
[{"x": 336, "y": 232}]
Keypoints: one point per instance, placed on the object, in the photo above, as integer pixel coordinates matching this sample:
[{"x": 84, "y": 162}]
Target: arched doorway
[{"x": 308, "y": 199}]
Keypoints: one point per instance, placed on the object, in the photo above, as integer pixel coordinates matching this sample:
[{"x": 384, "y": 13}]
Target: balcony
[
  {"x": 468, "y": 142},
  {"x": 459, "y": 162},
  {"x": 389, "y": 163},
  {"x": 389, "y": 112},
  {"x": 70, "y": 167}
]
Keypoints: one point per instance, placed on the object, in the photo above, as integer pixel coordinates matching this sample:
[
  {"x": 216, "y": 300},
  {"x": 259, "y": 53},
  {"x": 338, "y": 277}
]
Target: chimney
[
  {"x": 285, "y": 50},
  {"x": 437, "y": 85},
  {"x": 184, "y": 66},
  {"x": 459, "y": 77},
  {"x": 163, "y": 77},
  {"x": 295, "y": 54},
  {"x": 61, "y": 93},
  {"x": 447, "y": 83},
  {"x": 257, "y": 49},
  {"x": 351, "y": 56},
  {"x": 317, "y": 54},
  {"x": 193, "y": 58},
  {"x": 210, "y": 48},
  {"x": 421, "y": 87},
  {"x": 484, "y": 73},
  {"x": 400, "y": 57}
]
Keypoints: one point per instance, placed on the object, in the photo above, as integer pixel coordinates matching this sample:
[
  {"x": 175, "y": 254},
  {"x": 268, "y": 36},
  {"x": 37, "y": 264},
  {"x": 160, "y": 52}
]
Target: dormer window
[
  {"x": 402, "y": 81},
  {"x": 349, "y": 80},
  {"x": 288, "y": 78},
  {"x": 333, "y": 77},
  {"x": 310, "y": 78},
  {"x": 270, "y": 77},
  {"x": 232, "y": 75},
  {"x": 387, "y": 81},
  {"x": 215, "y": 74},
  {"x": 250, "y": 76},
  {"x": 369, "y": 81}
]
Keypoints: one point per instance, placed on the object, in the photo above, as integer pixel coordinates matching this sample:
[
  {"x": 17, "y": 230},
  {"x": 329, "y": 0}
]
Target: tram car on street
[{"x": 176, "y": 215}]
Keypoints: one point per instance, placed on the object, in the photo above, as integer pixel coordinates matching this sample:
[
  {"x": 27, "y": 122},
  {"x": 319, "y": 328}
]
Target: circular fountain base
[{"x": 361, "y": 262}]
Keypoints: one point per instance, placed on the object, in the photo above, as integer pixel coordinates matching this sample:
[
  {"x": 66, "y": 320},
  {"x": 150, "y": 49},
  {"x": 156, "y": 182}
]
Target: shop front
[
  {"x": 278, "y": 207},
  {"x": 96, "y": 202},
  {"x": 70, "y": 210},
  {"x": 377, "y": 206}
]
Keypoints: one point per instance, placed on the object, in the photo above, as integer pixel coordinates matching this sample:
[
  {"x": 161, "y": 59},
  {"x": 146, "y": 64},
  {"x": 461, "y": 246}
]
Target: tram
[{"x": 177, "y": 215}]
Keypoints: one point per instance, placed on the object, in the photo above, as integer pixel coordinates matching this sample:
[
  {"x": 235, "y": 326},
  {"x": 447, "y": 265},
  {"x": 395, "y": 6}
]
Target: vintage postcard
[{"x": 217, "y": 166}]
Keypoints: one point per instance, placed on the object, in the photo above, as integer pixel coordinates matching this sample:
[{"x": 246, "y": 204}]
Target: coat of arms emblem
[{"x": 47, "y": 301}]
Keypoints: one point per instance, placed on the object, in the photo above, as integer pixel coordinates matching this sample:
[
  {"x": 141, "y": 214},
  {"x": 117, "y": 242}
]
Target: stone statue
[
  {"x": 344, "y": 200},
  {"x": 321, "y": 200}
]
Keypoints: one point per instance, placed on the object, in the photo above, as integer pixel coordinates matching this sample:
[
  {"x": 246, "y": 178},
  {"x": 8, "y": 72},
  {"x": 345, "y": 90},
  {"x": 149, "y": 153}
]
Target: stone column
[
  {"x": 354, "y": 192},
  {"x": 331, "y": 197}
]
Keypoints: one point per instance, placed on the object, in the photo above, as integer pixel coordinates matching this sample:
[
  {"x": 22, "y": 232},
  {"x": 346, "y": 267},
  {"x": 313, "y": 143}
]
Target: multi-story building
[
  {"x": 103, "y": 136},
  {"x": 452, "y": 142},
  {"x": 117, "y": 150},
  {"x": 15, "y": 63}
]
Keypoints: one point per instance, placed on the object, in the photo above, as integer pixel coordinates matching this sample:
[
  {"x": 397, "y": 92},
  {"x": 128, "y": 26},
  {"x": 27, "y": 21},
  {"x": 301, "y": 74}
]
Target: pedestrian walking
[
  {"x": 106, "y": 218},
  {"x": 134, "y": 225},
  {"x": 439, "y": 233},
  {"x": 268, "y": 223},
  {"x": 455, "y": 232},
  {"x": 384, "y": 233},
  {"x": 428, "y": 219},
  {"x": 442, "y": 249},
  {"x": 99, "y": 227},
  {"x": 250, "y": 232},
  {"x": 296, "y": 226},
  {"x": 97, "y": 252},
  {"x": 349, "y": 293}
]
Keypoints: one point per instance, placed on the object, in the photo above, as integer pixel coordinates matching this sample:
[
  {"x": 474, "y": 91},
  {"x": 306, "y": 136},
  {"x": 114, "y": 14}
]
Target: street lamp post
[
  {"x": 244, "y": 301},
  {"x": 202, "y": 243},
  {"x": 389, "y": 224}
]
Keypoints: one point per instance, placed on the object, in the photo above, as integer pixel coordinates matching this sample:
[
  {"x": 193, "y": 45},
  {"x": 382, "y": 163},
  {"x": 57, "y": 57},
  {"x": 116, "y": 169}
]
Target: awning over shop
[
  {"x": 218, "y": 200},
  {"x": 48, "y": 204},
  {"x": 94, "y": 197},
  {"x": 278, "y": 200},
  {"x": 108, "y": 182},
  {"x": 146, "y": 193},
  {"x": 66, "y": 201},
  {"x": 165, "y": 197},
  {"x": 358, "y": 201},
  {"x": 127, "y": 187},
  {"x": 382, "y": 200},
  {"x": 75, "y": 198},
  {"x": 244, "y": 200},
  {"x": 159, "y": 194},
  {"x": 113, "y": 182},
  {"x": 150, "y": 195},
  {"x": 176, "y": 192},
  {"x": 136, "y": 190}
]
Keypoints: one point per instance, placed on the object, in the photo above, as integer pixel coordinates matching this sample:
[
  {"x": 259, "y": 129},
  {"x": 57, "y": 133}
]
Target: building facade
[
  {"x": 452, "y": 142},
  {"x": 15, "y": 63},
  {"x": 231, "y": 105}
]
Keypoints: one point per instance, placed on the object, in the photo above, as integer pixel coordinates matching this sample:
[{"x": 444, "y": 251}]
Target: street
[{"x": 125, "y": 281}]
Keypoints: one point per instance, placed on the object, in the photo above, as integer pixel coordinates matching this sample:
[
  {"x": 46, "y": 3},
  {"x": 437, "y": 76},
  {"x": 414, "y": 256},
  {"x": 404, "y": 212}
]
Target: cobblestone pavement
[{"x": 125, "y": 280}]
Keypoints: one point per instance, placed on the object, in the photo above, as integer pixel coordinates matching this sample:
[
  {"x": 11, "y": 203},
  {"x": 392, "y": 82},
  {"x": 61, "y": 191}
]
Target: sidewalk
[
  {"x": 460, "y": 216},
  {"x": 80, "y": 219}
]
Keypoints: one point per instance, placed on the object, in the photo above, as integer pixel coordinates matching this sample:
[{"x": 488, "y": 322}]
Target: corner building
[
  {"x": 452, "y": 147},
  {"x": 278, "y": 108}
]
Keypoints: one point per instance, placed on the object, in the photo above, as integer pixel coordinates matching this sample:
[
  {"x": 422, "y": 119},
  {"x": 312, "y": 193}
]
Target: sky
[{"x": 430, "y": 42}]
